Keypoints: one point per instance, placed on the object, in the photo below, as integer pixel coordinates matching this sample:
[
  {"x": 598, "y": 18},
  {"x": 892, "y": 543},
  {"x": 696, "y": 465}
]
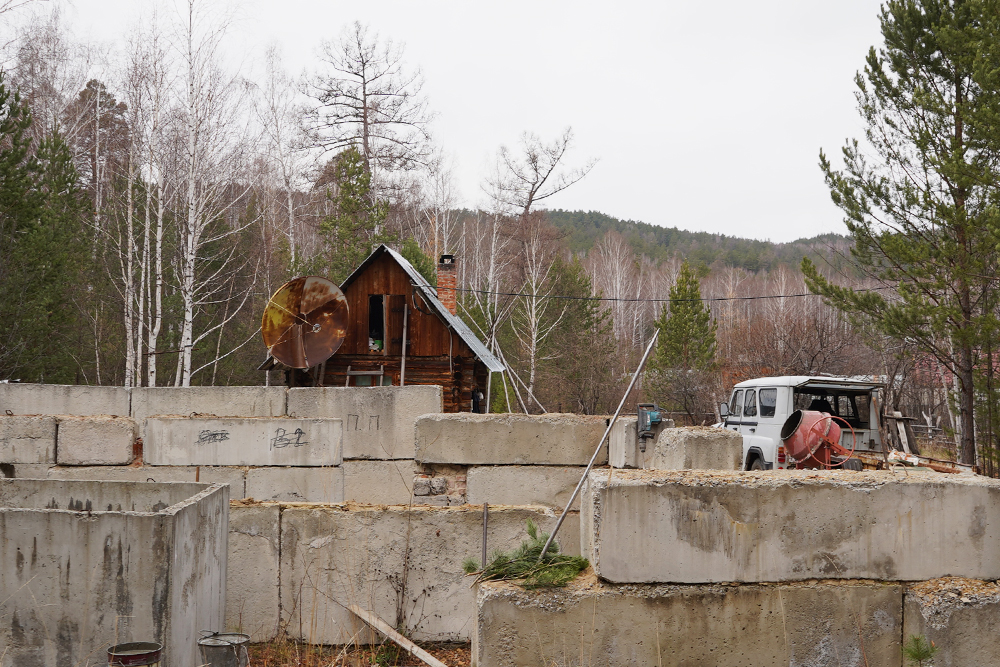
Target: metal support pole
[
  {"x": 486, "y": 521},
  {"x": 402, "y": 360},
  {"x": 600, "y": 443}
]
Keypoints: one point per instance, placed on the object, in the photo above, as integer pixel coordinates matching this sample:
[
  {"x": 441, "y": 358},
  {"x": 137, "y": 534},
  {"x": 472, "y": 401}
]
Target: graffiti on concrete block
[
  {"x": 207, "y": 436},
  {"x": 354, "y": 422},
  {"x": 283, "y": 438}
]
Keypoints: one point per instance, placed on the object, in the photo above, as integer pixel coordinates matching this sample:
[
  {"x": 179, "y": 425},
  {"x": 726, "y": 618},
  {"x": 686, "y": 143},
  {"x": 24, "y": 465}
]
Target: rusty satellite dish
[{"x": 305, "y": 322}]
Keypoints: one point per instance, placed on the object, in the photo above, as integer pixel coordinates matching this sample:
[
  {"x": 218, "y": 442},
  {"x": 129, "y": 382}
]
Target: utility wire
[{"x": 638, "y": 300}]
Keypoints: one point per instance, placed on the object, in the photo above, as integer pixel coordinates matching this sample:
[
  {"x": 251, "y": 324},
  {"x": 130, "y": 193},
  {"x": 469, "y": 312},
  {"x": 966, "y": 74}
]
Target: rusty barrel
[
  {"x": 135, "y": 654},
  {"x": 801, "y": 434},
  {"x": 227, "y": 649}
]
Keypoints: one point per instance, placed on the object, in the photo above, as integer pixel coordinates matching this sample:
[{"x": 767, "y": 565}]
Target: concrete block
[
  {"x": 378, "y": 482},
  {"x": 207, "y": 401},
  {"x": 27, "y": 439},
  {"x": 147, "y": 563},
  {"x": 296, "y": 485},
  {"x": 95, "y": 440},
  {"x": 233, "y": 477},
  {"x": 711, "y": 526},
  {"x": 592, "y": 623},
  {"x": 25, "y": 470},
  {"x": 510, "y": 439},
  {"x": 378, "y": 421},
  {"x": 400, "y": 563},
  {"x": 242, "y": 442},
  {"x": 694, "y": 448},
  {"x": 252, "y": 601},
  {"x": 63, "y": 399},
  {"x": 959, "y": 615},
  {"x": 623, "y": 449},
  {"x": 550, "y": 486}
]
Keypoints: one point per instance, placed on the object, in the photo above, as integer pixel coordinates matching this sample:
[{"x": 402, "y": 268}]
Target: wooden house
[{"x": 402, "y": 331}]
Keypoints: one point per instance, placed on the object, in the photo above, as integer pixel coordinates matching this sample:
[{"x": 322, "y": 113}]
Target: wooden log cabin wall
[{"x": 390, "y": 302}]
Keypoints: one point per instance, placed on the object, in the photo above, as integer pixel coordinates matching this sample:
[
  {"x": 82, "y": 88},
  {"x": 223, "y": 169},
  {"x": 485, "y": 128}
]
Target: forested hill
[{"x": 585, "y": 228}]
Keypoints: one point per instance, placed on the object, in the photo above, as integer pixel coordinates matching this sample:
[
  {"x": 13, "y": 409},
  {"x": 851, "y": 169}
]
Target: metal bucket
[
  {"x": 227, "y": 649},
  {"x": 134, "y": 654}
]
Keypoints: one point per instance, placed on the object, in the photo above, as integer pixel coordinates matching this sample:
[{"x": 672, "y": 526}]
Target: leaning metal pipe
[{"x": 600, "y": 443}]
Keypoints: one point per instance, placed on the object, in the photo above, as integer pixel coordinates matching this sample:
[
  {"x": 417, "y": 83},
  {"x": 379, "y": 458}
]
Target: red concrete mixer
[{"x": 812, "y": 440}]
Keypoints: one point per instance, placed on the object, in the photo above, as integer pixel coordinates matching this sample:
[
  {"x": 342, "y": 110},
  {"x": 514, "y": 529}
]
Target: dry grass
[{"x": 295, "y": 654}]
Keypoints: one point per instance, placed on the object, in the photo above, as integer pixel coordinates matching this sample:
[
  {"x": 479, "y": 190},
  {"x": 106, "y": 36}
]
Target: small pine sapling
[{"x": 919, "y": 651}]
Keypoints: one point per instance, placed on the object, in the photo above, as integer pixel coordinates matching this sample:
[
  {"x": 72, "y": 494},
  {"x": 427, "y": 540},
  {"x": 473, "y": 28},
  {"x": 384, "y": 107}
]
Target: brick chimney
[{"x": 446, "y": 283}]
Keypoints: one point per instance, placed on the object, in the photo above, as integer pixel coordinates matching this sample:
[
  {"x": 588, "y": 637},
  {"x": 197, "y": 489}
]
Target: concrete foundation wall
[
  {"x": 814, "y": 624},
  {"x": 252, "y": 602},
  {"x": 63, "y": 399},
  {"x": 27, "y": 439},
  {"x": 242, "y": 442},
  {"x": 693, "y": 448},
  {"x": 549, "y": 486},
  {"x": 379, "y": 482},
  {"x": 94, "y": 441},
  {"x": 403, "y": 564},
  {"x": 378, "y": 421},
  {"x": 314, "y": 485},
  {"x": 204, "y": 401},
  {"x": 75, "y": 581},
  {"x": 959, "y": 615},
  {"x": 510, "y": 439},
  {"x": 706, "y": 526}
]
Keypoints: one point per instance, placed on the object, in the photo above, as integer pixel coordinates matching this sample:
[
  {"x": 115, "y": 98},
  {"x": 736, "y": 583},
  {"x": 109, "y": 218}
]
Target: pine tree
[
  {"x": 681, "y": 368},
  {"x": 923, "y": 211},
  {"x": 356, "y": 223}
]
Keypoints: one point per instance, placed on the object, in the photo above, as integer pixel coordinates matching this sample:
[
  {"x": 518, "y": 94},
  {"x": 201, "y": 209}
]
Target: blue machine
[{"x": 650, "y": 416}]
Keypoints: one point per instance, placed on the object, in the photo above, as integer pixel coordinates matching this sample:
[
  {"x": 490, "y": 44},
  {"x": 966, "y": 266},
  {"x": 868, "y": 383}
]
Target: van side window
[
  {"x": 768, "y": 402},
  {"x": 750, "y": 406},
  {"x": 736, "y": 405}
]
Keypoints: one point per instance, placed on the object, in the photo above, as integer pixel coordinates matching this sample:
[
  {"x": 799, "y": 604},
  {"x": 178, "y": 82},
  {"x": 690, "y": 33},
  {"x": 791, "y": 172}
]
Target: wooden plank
[{"x": 387, "y": 630}]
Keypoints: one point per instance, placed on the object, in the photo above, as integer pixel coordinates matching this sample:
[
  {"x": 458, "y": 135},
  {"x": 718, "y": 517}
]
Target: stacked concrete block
[
  {"x": 708, "y": 526},
  {"x": 296, "y": 485},
  {"x": 592, "y": 623},
  {"x": 91, "y": 563},
  {"x": 959, "y": 615},
  {"x": 252, "y": 600},
  {"x": 549, "y": 486},
  {"x": 97, "y": 441},
  {"x": 510, "y": 439},
  {"x": 693, "y": 448},
  {"x": 243, "y": 442},
  {"x": 397, "y": 562},
  {"x": 379, "y": 482},
  {"x": 207, "y": 401},
  {"x": 378, "y": 421},
  {"x": 27, "y": 440},
  {"x": 234, "y": 478},
  {"x": 62, "y": 399}
]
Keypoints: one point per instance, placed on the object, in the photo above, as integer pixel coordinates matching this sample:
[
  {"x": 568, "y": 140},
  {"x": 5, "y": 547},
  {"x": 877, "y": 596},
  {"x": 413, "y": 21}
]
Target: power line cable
[{"x": 638, "y": 300}]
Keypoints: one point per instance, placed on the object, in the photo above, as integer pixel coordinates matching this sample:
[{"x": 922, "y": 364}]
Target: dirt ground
[{"x": 292, "y": 654}]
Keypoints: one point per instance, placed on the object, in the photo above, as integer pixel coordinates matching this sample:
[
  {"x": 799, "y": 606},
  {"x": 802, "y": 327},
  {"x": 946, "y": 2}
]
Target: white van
[{"x": 758, "y": 408}]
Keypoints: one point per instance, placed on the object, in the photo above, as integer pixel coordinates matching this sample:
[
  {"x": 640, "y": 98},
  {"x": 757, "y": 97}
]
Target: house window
[{"x": 376, "y": 323}]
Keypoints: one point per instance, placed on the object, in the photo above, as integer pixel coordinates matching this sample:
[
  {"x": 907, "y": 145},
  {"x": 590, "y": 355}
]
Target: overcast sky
[{"x": 704, "y": 116}]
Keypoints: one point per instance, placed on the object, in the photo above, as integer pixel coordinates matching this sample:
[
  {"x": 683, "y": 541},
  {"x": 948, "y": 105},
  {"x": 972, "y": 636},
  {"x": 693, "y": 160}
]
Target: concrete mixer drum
[{"x": 812, "y": 439}]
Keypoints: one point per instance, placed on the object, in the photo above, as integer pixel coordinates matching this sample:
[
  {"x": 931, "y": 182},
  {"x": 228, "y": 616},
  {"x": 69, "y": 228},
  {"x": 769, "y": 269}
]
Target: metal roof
[{"x": 430, "y": 297}]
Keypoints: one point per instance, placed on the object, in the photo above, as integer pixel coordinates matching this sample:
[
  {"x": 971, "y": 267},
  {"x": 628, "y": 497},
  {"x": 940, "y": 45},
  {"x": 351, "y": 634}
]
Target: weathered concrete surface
[
  {"x": 712, "y": 526},
  {"x": 550, "y": 486},
  {"x": 959, "y": 615},
  {"x": 378, "y": 421},
  {"x": 379, "y": 482},
  {"x": 153, "y": 566},
  {"x": 510, "y": 439},
  {"x": 27, "y": 439},
  {"x": 234, "y": 477},
  {"x": 815, "y": 624},
  {"x": 207, "y": 401},
  {"x": 296, "y": 485},
  {"x": 63, "y": 399},
  {"x": 623, "y": 449},
  {"x": 397, "y": 562},
  {"x": 242, "y": 441},
  {"x": 694, "y": 448},
  {"x": 95, "y": 441},
  {"x": 252, "y": 602}
]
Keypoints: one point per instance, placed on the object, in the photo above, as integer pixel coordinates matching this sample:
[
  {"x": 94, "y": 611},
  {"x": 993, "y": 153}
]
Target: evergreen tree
[
  {"x": 680, "y": 369},
  {"x": 923, "y": 213},
  {"x": 420, "y": 260},
  {"x": 356, "y": 222}
]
